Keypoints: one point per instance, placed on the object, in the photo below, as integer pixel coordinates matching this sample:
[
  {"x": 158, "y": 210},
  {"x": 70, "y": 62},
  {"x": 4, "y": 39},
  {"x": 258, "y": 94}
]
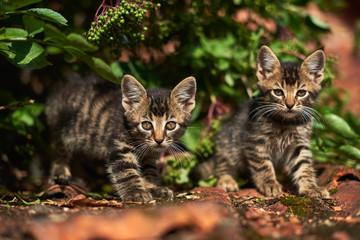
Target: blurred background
[{"x": 160, "y": 43}]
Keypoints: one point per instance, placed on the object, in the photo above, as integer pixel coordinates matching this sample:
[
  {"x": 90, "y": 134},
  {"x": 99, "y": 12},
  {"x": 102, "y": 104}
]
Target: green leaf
[
  {"x": 319, "y": 126},
  {"x": 192, "y": 135},
  {"x": 116, "y": 69},
  {"x": 104, "y": 70},
  {"x": 240, "y": 54},
  {"x": 237, "y": 2},
  {"x": 219, "y": 48},
  {"x": 35, "y": 109},
  {"x": 5, "y": 49},
  {"x": 97, "y": 64},
  {"x": 196, "y": 52},
  {"x": 183, "y": 176},
  {"x": 197, "y": 110},
  {"x": 9, "y": 5},
  {"x": 318, "y": 23},
  {"x": 223, "y": 64},
  {"x": 352, "y": 151},
  {"x": 24, "y": 117},
  {"x": 76, "y": 40},
  {"x": 47, "y": 14},
  {"x": 339, "y": 126},
  {"x": 37, "y": 201},
  {"x": 27, "y": 55},
  {"x": 53, "y": 50},
  {"x": 33, "y": 25},
  {"x": 55, "y": 35},
  {"x": 354, "y": 121},
  {"x": 11, "y": 33},
  {"x": 208, "y": 182},
  {"x": 229, "y": 79}
]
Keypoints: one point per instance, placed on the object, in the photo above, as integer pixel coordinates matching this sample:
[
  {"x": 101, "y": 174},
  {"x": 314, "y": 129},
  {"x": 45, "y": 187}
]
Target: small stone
[
  {"x": 294, "y": 220},
  {"x": 340, "y": 236},
  {"x": 336, "y": 208}
]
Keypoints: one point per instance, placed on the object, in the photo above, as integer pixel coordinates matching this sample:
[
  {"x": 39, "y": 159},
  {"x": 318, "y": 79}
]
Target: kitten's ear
[
  {"x": 313, "y": 66},
  {"x": 267, "y": 63},
  {"x": 184, "y": 93},
  {"x": 132, "y": 92}
]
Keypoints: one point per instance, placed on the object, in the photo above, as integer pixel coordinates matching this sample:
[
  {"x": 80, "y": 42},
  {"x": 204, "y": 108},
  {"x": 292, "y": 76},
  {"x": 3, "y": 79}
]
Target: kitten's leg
[
  {"x": 226, "y": 175},
  {"x": 262, "y": 170},
  {"x": 303, "y": 173},
  {"x": 60, "y": 168},
  {"x": 152, "y": 177},
  {"x": 125, "y": 174}
]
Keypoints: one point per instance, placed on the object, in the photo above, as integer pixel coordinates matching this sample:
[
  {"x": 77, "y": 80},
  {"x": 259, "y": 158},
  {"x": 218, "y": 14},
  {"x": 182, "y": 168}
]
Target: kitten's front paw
[
  {"x": 60, "y": 174},
  {"x": 59, "y": 180},
  {"x": 318, "y": 192},
  {"x": 137, "y": 196},
  {"x": 161, "y": 192},
  {"x": 227, "y": 183},
  {"x": 270, "y": 189}
]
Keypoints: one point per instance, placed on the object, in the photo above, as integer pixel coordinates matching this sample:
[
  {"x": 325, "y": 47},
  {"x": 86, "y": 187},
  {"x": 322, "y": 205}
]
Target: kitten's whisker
[
  {"x": 259, "y": 111},
  {"x": 272, "y": 114},
  {"x": 263, "y": 112},
  {"x": 176, "y": 155},
  {"x": 262, "y": 107},
  {"x": 258, "y": 107},
  {"x": 140, "y": 152},
  {"x": 307, "y": 114},
  {"x": 316, "y": 114},
  {"x": 303, "y": 116},
  {"x": 198, "y": 155},
  {"x": 180, "y": 151}
]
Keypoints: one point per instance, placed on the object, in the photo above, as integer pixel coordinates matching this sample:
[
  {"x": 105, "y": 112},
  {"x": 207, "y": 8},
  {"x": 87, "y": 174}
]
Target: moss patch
[
  {"x": 333, "y": 191},
  {"x": 300, "y": 206}
]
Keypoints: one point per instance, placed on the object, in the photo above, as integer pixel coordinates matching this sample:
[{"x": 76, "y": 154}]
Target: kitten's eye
[
  {"x": 301, "y": 93},
  {"x": 278, "y": 92},
  {"x": 146, "y": 125},
  {"x": 170, "y": 125}
]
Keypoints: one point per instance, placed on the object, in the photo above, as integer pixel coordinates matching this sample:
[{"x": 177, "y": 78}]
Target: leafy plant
[
  {"x": 108, "y": 28},
  {"x": 24, "y": 47},
  {"x": 160, "y": 43},
  {"x": 336, "y": 136}
]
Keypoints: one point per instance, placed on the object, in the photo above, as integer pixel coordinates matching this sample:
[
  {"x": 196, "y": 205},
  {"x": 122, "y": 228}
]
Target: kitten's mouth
[
  {"x": 289, "y": 113},
  {"x": 158, "y": 148}
]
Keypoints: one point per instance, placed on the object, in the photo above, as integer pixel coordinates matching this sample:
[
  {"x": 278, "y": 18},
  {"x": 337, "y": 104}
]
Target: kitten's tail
[{"x": 203, "y": 171}]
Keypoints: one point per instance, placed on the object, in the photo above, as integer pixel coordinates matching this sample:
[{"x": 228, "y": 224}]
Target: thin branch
[
  {"x": 31, "y": 101},
  {"x": 298, "y": 55}
]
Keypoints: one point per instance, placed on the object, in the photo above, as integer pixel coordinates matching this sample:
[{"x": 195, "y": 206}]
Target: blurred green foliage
[
  {"x": 336, "y": 135},
  {"x": 217, "y": 41}
]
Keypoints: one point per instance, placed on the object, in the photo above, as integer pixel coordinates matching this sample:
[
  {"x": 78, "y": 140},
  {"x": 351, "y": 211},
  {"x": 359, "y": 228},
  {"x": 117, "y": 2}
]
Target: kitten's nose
[
  {"x": 290, "y": 105},
  {"x": 159, "y": 140}
]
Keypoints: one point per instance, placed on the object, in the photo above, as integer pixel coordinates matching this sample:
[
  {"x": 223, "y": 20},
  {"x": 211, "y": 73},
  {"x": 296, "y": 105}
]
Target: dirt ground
[{"x": 203, "y": 213}]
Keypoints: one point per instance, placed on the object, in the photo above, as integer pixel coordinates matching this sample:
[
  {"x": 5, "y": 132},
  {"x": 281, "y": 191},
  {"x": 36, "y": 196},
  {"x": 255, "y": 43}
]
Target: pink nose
[
  {"x": 290, "y": 105},
  {"x": 159, "y": 140}
]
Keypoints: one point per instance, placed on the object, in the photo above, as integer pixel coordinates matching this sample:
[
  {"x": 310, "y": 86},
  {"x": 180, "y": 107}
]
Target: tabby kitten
[
  {"x": 129, "y": 127},
  {"x": 274, "y": 128}
]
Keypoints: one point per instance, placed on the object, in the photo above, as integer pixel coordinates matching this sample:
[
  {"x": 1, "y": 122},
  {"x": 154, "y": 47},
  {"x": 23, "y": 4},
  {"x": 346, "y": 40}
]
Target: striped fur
[
  {"x": 274, "y": 129},
  {"x": 128, "y": 127}
]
